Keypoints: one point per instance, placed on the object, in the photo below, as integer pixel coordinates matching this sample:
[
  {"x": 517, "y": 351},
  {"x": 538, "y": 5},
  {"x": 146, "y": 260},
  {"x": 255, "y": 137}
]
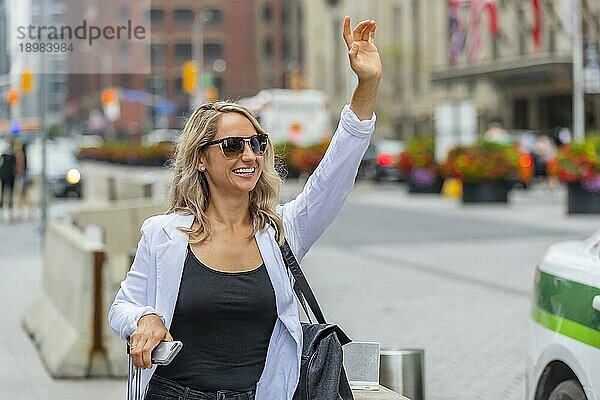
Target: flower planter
[
  {"x": 486, "y": 192},
  {"x": 581, "y": 201},
  {"x": 421, "y": 180}
]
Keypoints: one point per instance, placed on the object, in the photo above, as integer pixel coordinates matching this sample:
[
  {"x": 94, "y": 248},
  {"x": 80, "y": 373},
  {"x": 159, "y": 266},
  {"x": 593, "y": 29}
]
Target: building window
[
  {"x": 184, "y": 16},
  {"x": 523, "y": 33},
  {"x": 157, "y": 54},
  {"x": 268, "y": 48},
  {"x": 522, "y": 41},
  {"x": 58, "y": 87},
  {"x": 157, "y": 17},
  {"x": 212, "y": 16},
  {"x": 56, "y": 19},
  {"x": 267, "y": 12},
  {"x": 155, "y": 84},
  {"x": 212, "y": 51},
  {"x": 124, "y": 13},
  {"x": 183, "y": 51},
  {"x": 125, "y": 81},
  {"x": 552, "y": 40},
  {"x": 123, "y": 49},
  {"x": 179, "y": 86},
  {"x": 54, "y": 107},
  {"x": 495, "y": 47},
  {"x": 285, "y": 14}
]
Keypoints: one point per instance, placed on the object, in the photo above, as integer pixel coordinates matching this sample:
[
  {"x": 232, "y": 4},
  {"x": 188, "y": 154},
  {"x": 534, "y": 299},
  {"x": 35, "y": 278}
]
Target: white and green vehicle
[{"x": 564, "y": 341}]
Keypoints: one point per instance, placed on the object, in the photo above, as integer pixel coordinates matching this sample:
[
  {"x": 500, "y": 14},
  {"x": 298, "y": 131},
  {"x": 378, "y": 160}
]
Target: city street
[{"x": 407, "y": 271}]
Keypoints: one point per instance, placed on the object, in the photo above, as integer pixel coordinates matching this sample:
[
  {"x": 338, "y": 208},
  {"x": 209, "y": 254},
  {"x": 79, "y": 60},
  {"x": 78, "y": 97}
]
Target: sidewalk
[{"x": 22, "y": 374}]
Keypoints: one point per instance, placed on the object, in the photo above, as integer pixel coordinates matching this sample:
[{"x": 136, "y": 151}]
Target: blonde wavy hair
[{"x": 190, "y": 194}]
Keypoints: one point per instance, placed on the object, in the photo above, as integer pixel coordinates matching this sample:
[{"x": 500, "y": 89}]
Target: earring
[{"x": 202, "y": 169}]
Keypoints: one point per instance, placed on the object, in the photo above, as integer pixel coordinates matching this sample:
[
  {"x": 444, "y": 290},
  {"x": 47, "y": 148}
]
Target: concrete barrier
[
  {"x": 61, "y": 319},
  {"x": 120, "y": 220},
  {"x": 67, "y": 321},
  {"x": 109, "y": 182}
]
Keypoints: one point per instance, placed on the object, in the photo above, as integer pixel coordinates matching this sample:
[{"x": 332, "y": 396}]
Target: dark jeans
[{"x": 165, "y": 389}]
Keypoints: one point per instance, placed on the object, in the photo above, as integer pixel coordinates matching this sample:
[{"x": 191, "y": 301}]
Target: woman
[{"x": 210, "y": 273}]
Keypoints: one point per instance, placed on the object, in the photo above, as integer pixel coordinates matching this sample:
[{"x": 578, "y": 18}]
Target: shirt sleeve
[
  {"x": 131, "y": 303},
  {"x": 307, "y": 216}
]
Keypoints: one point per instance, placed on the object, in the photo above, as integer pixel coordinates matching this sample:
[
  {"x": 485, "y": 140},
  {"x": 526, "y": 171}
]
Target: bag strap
[{"x": 301, "y": 286}]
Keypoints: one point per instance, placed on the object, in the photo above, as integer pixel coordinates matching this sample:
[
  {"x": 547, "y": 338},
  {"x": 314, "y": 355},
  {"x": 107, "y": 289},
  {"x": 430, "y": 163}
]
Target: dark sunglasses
[{"x": 233, "y": 147}]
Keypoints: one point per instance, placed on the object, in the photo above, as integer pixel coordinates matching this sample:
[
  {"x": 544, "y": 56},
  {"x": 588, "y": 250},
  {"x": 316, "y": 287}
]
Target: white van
[{"x": 297, "y": 116}]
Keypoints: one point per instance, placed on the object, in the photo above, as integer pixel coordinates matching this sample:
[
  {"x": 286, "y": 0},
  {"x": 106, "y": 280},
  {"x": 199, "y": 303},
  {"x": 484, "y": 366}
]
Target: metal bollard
[{"x": 403, "y": 371}]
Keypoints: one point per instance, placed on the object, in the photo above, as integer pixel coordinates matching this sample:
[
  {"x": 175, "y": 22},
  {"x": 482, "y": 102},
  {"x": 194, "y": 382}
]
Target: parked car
[
  {"x": 381, "y": 160},
  {"x": 564, "y": 339},
  {"x": 63, "y": 171}
]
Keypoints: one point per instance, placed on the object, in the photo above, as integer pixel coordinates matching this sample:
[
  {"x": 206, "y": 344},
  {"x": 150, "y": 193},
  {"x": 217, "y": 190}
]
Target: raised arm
[{"x": 307, "y": 216}]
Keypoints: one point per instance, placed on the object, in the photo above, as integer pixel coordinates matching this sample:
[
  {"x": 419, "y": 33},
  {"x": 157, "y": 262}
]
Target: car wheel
[{"x": 568, "y": 390}]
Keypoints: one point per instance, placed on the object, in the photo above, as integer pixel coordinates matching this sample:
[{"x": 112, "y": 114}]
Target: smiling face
[{"x": 238, "y": 175}]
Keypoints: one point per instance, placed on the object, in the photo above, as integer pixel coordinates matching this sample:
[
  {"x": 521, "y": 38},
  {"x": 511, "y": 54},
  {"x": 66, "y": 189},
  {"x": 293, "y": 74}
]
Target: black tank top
[{"x": 225, "y": 321}]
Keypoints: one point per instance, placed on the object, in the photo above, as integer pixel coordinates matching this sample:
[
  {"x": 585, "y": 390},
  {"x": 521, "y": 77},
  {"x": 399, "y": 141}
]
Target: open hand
[{"x": 364, "y": 56}]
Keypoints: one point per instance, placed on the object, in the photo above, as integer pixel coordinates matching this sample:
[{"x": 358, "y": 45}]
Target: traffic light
[
  {"x": 26, "y": 80},
  {"x": 109, "y": 96},
  {"x": 190, "y": 76},
  {"x": 12, "y": 97}
]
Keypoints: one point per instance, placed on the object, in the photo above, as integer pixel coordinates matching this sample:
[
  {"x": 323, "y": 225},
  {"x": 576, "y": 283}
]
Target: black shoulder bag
[{"x": 322, "y": 374}]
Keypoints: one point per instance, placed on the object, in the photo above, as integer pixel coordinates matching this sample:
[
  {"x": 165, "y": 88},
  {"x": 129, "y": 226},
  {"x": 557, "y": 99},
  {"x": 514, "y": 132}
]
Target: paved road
[
  {"x": 429, "y": 273},
  {"x": 408, "y": 271}
]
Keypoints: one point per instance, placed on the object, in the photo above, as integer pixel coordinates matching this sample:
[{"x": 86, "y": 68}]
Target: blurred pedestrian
[
  {"x": 496, "y": 133},
  {"x": 210, "y": 272},
  {"x": 545, "y": 151},
  {"x": 22, "y": 180},
  {"x": 8, "y": 169}
]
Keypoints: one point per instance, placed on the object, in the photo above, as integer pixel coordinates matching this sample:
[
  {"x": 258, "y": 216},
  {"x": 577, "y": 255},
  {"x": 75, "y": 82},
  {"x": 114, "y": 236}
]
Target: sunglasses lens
[
  {"x": 233, "y": 147},
  {"x": 258, "y": 144}
]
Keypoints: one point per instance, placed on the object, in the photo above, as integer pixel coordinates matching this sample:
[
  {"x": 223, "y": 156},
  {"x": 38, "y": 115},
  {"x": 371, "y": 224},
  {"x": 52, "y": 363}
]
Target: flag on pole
[
  {"x": 492, "y": 9},
  {"x": 477, "y": 8},
  {"x": 456, "y": 34},
  {"x": 536, "y": 30},
  {"x": 474, "y": 30}
]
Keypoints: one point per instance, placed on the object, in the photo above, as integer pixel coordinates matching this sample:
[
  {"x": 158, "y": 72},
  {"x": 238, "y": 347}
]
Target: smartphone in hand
[{"x": 165, "y": 352}]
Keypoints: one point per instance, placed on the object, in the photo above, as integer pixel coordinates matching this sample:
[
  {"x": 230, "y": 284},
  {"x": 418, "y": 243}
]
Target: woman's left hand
[{"x": 364, "y": 56}]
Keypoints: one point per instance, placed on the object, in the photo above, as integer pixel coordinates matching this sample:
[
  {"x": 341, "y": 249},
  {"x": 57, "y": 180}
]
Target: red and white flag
[
  {"x": 477, "y": 8},
  {"x": 536, "y": 29},
  {"x": 492, "y": 9}
]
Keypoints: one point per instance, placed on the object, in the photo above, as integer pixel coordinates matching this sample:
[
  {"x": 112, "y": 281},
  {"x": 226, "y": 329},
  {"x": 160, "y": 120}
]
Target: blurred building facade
[
  {"x": 4, "y": 59},
  {"x": 403, "y": 36},
  {"x": 14, "y": 61},
  {"x": 245, "y": 46},
  {"x": 518, "y": 72}
]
